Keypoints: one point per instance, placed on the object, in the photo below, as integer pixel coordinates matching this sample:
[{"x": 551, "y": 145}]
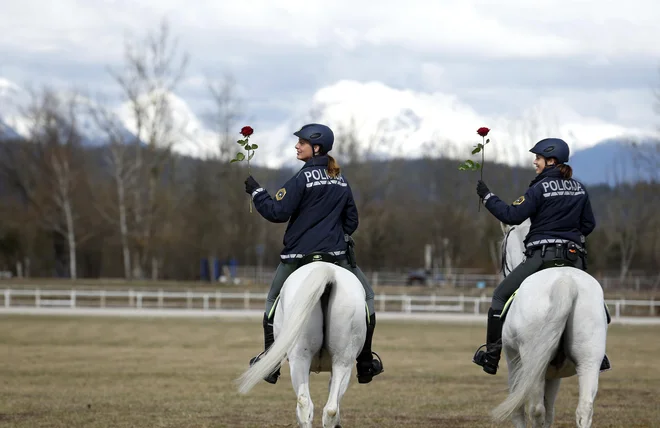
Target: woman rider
[
  {"x": 561, "y": 217},
  {"x": 318, "y": 204}
]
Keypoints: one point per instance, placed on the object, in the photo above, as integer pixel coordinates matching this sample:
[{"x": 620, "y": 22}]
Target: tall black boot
[
  {"x": 269, "y": 338},
  {"x": 491, "y": 357},
  {"x": 367, "y": 365}
]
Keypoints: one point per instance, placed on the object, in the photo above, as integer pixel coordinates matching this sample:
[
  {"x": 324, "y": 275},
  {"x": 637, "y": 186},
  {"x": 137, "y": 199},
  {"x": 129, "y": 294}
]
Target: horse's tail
[
  {"x": 539, "y": 351},
  {"x": 293, "y": 324}
]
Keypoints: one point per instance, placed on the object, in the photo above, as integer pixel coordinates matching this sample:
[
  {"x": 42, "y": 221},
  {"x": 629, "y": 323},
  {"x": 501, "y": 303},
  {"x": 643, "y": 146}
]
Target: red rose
[
  {"x": 246, "y": 131},
  {"x": 483, "y": 131}
]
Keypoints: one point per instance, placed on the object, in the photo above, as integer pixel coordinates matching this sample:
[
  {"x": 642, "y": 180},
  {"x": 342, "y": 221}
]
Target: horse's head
[{"x": 513, "y": 246}]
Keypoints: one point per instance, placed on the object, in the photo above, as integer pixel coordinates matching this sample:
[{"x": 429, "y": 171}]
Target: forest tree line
[{"x": 132, "y": 208}]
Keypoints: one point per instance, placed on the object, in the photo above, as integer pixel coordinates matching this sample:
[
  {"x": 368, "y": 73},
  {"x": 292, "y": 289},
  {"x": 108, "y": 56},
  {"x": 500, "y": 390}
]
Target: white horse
[
  {"x": 315, "y": 336},
  {"x": 555, "y": 327}
]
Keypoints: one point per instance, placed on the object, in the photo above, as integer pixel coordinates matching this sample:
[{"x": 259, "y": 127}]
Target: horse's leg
[
  {"x": 588, "y": 387},
  {"x": 551, "y": 390},
  {"x": 300, "y": 380},
  {"x": 341, "y": 377},
  {"x": 537, "y": 405},
  {"x": 300, "y": 361},
  {"x": 587, "y": 348}
]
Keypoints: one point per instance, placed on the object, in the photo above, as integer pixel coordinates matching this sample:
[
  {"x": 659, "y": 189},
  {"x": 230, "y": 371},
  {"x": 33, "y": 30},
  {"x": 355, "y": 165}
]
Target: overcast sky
[{"x": 601, "y": 58}]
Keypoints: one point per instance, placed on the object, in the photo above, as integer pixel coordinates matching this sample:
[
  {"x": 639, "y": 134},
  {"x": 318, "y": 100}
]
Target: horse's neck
[
  {"x": 516, "y": 244},
  {"x": 515, "y": 252}
]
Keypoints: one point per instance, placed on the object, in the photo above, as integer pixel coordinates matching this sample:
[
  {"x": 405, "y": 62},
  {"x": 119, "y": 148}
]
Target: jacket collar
[
  {"x": 550, "y": 171},
  {"x": 321, "y": 160}
]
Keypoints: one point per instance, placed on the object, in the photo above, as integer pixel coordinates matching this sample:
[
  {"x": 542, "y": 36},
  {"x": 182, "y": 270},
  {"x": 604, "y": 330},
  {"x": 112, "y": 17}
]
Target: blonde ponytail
[{"x": 333, "y": 167}]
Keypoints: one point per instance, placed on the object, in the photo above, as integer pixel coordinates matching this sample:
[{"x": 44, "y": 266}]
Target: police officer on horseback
[
  {"x": 561, "y": 219},
  {"x": 319, "y": 206}
]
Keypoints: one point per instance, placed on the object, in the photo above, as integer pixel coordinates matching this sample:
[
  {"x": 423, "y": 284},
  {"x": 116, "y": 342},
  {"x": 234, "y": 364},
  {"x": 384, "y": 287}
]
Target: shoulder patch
[
  {"x": 280, "y": 194},
  {"x": 519, "y": 201}
]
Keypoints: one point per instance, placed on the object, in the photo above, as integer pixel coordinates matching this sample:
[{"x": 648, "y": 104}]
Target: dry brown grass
[{"x": 95, "y": 372}]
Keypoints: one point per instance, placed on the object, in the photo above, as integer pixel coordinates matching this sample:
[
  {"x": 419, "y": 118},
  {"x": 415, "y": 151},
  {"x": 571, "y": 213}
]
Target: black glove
[
  {"x": 251, "y": 185},
  {"x": 482, "y": 189}
]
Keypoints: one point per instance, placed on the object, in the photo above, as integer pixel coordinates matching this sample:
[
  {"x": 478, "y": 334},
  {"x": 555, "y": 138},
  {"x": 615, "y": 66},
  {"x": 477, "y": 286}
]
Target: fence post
[
  {"x": 617, "y": 309},
  {"x": 406, "y": 305},
  {"x": 160, "y": 298},
  {"x": 139, "y": 300},
  {"x": 246, "y": 299},
  {"x": 189, "y": 299},
  {"x": 37, "y": 298},
  {"x": 652, "y": 306},
  {"x": 73, "y": 298},
  {"x": 103, "y": 298},
  {"x": 206, "y": 302},
  {"x": 7, "y": 297},
  {"x": 130, "y": 297}
]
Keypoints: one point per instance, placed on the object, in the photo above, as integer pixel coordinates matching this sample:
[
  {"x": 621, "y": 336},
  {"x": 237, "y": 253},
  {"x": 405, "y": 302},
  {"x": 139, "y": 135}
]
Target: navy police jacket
[
  {"x": 559, "y": 210},
  {"x": 319, "y": 209}
]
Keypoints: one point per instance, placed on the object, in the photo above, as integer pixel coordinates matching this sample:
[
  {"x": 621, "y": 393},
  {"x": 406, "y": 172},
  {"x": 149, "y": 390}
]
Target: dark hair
[{"x": 565, "y": 170}]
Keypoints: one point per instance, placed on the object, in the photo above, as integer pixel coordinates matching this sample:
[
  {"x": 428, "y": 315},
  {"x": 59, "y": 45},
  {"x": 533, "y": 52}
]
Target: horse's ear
[{"x": 504, "y": 227}]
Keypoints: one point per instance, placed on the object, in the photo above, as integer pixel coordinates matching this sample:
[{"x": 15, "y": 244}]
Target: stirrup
[
  {"x": 480, "y": 358},
  {"x": 478, "y": 355},
  {"x": 270, "y": 378},
  {"x": 375, "y": 368},
  {"x": 253, "y": 360}
]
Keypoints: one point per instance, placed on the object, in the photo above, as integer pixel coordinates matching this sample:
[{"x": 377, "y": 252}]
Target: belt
[
  {"x": 551, "y": 243},
  {"x": 545, "y": 247}
]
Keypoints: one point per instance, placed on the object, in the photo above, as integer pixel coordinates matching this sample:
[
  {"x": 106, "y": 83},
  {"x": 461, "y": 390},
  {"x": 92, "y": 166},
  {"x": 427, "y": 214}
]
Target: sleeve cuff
[
  {"x": 487, "y": 197},
  {"x": 256, "y": 192}
]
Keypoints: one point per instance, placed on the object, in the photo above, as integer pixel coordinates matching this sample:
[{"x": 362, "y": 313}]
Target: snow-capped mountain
[
  {"x": 385, "y": 122},
  {"x": 390, "y": 122},
  {"x": 185, "y": 132}
]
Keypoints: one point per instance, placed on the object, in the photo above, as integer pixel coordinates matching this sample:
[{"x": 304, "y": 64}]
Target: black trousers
[{"x": 530, "y": 266}]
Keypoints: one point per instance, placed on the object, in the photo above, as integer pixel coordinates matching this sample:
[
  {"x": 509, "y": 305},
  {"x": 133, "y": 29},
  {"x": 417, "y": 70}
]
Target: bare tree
[
  {"x": 49, "y": 168},
  {"x": 628, "y": 218},
  {"x": 226, "y": 113},
  {"x": 152, "y": 71},
  {"x": 124, "y": 177}
]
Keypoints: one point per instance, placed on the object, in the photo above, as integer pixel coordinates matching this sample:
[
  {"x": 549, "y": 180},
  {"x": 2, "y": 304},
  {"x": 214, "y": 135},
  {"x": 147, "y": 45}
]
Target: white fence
[{"x": 205, "y": 301}]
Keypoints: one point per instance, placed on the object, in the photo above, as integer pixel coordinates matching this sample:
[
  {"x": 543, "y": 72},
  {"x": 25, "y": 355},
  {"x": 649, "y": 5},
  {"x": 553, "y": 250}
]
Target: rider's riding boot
[
  {"x": 607, "y": 313},
  {"x": 605, "y": 365},
  {"x": 367, "y": 365},
  {"x": 491, "y": 357},
  {"x": 269, "y": 338}
]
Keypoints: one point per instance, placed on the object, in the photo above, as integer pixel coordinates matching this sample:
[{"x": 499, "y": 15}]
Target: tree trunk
[
  {"x": 71, "y": 238},
  {"x": 123, "y": 225}
]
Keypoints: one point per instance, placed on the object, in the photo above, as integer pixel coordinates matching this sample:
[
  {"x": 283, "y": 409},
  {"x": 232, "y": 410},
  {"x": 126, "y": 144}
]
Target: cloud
[{"x": 495, "y": 60}]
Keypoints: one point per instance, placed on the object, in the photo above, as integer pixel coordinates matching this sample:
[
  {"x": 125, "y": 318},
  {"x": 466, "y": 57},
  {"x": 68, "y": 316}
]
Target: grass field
[{"x": 144, "y": 372}]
